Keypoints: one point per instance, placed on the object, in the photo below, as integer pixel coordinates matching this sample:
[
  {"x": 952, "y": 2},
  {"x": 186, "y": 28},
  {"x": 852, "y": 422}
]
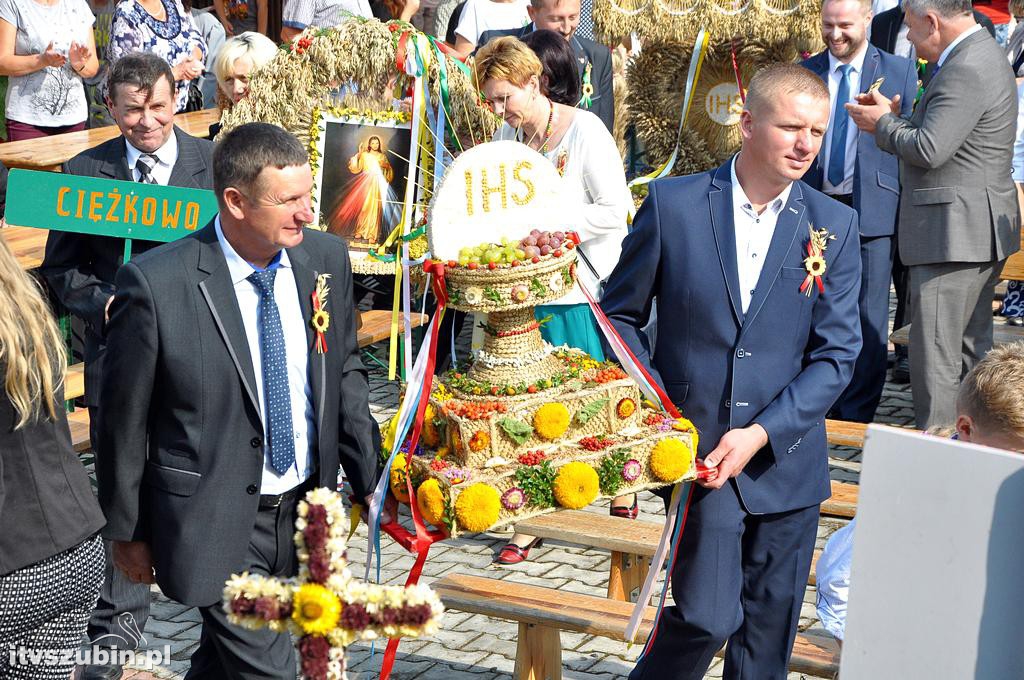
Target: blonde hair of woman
[{"x": 31, "y": 347}]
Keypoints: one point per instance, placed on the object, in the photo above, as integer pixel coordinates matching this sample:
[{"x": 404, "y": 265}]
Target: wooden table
[
  {"x": 1013, "y": 270},
  {"x": 27, "y": 243},
  {"x": 48, "y": 153}
]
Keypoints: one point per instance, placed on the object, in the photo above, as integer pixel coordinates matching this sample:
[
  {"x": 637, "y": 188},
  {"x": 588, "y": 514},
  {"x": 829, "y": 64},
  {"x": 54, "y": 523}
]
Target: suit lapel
[
  {"x": 115, "y": 165},
  {"x": 188, "y": 165},
  {"x": 720, "y": 200},
  {"x": 305, "y": 282},
  {"x": 787, "y": 230},
  {"x": 219, "y": 293}
]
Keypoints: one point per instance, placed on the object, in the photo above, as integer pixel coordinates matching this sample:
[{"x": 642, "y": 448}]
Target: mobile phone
[{"x": 875, "y": 85}]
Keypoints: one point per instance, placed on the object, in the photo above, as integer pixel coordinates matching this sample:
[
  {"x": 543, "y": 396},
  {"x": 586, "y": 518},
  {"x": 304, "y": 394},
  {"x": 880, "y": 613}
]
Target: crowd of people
[{"x": 894, "y": 151}]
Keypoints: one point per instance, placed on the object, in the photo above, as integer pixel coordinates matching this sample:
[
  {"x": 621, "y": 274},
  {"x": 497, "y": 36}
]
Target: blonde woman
[
  {"x": 237, "y": 59},
  {"x": 51, "y": 558}
]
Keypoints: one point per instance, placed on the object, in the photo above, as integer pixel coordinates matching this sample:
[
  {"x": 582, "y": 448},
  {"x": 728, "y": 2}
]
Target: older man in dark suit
[
  {"x": 754, "y": 351},
  {"x": 854, "y": 171},
  {"x": 593, "y": 60},
  {"x": 220, "y": 408},
  {"x": 959, "y": 218},
  {"x": 80, "y": 268}
]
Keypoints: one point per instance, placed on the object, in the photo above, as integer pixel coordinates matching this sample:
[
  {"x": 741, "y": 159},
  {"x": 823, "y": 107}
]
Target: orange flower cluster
[{"x": 474, "y": 410}]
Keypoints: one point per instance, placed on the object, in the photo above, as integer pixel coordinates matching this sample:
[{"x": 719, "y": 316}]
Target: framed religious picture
[{"x": 361, "y": 173}]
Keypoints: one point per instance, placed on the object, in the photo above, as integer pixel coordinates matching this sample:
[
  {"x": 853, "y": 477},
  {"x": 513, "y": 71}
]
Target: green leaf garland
[
  {"x": 536, "y": 481},
  {"x": 609, "y": 472}
]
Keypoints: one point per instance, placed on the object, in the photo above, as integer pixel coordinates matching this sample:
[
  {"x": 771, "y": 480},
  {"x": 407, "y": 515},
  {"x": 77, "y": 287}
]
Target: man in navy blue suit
[
  {"x": 854, "y": 171},
  {"x": 755, "y": 354}
]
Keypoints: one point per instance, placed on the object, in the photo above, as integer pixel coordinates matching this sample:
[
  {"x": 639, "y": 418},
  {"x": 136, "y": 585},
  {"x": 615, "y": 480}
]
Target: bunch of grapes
[
  {"x": 540, "y": 243},
  {"x": 486, "y": 253}
]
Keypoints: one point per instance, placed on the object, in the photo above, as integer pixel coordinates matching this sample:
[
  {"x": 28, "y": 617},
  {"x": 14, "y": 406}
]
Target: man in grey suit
[
  {"x": 220, "y": 408},
  {"x": 80, "y": 268},
  {"x": 959, "y": 219}
]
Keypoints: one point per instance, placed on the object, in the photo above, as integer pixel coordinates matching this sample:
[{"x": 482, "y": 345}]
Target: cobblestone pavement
[{"x": 473, "y": 647}]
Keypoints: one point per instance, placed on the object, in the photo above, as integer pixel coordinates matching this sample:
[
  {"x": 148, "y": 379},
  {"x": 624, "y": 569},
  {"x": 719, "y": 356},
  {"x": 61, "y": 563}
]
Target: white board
[{"x": 937, "y": 581}]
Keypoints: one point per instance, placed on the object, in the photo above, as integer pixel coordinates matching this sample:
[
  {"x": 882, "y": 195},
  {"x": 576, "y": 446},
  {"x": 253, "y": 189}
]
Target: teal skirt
[{"x": 572, "y": 325}]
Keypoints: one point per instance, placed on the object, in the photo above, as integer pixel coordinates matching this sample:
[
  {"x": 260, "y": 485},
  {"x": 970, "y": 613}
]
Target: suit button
[
  {"x": 740, "y": 353},
  {"x": 256, "y": 442},
  {"x": 728, "y": 403},
  {"x": 251, "y": 489}
]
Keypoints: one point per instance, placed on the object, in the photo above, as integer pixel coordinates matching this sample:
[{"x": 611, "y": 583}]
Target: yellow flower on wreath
[
  {"x": 315, "y": 609},
  {"x": 551, "y": 420},
  {"x": 477, "y": 508},
  {"x": 398, "y": 485},
  {"x": 686, "y": 425},
  {"x": 576, "y": 485},
  {"x": 431, "y": 434},
  {"x": 430, "y": 501},
  {"x": 671, "y": 458}
]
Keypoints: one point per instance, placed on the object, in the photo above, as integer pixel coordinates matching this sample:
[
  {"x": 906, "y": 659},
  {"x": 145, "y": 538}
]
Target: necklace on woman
[{"x": 549, "y": 128}]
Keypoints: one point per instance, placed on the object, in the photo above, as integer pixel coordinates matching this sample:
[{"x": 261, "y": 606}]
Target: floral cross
[{"x": 325, "y": 607}]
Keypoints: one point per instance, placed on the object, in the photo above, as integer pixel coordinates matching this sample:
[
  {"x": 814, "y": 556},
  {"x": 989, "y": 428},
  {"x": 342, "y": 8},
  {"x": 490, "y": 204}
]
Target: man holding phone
[{"x": 854, "y": 171}]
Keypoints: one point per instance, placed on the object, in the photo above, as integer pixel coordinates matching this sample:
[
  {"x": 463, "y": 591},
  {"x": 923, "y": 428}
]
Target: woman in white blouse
[{"x": 596, "y": 198}]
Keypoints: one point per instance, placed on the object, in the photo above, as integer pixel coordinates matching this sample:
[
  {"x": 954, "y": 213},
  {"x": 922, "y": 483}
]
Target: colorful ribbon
[{"x": 700, "y": 47}]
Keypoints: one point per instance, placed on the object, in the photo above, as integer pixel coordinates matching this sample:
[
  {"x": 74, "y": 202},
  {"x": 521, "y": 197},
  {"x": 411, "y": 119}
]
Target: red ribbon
[
  {"x": 811, "y": 277},
  {"x": 400, "y": 52},
  {"x": 736, "y": 70},
  {"x": 420, "y": 541}
]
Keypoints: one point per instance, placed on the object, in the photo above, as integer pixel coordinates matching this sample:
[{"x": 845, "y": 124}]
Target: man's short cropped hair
[
  {"x": 141, "y": 70},
  {"x": 242, "y": 153},
  {"x": 779, "y": 79},
  {"x": 992, "y": 393}
]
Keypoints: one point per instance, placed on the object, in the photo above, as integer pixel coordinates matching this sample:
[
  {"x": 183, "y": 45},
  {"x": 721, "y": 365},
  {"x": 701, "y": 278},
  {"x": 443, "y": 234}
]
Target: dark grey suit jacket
[
  {"x": 180, "y": 428},
  {"x": 80, "y": 268},
  {"x": 958, "y": 202},
  {"x": 587, "y": 52}
]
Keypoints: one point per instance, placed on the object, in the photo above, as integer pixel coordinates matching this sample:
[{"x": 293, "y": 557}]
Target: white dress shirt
[
  {"x": 852, "y": 132},
  {"x": 166, "y": 155},
  {"x": 753, "y": 234},
  {"x": 286, "y": 294},
  {"x": 959, "y": 39}
]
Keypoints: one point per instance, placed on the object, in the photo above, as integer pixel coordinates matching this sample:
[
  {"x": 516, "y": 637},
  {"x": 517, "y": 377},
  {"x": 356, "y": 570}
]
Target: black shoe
[
  {"x": 901, "y": 371},
  {"x": 95, "y": 672},
  {"x": 1015, "y": 321}
]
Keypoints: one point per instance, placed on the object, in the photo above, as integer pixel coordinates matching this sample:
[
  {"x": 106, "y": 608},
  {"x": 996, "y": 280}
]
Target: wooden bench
[
  {"x": 844, "y": 433},
  {"x": 78, "y": 423},
  {"x": 1001, "y": 334},
  {"x": 542, "y": 613},
  {"x": 376, "y": 325},
  {"x": 843, "y": 503},
  {"x": 632, "y": 544},
  {"x": 1013, "y": 270},
  {"x": 74, "y": 381},
  {"x": 48, "y": 153}
]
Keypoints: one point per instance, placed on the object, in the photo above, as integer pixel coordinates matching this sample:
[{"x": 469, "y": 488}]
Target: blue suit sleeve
[
  {"x": 909, "y": 92},
  {"x": 829, "y": 356},
  {"x": 632, "y": 286}
]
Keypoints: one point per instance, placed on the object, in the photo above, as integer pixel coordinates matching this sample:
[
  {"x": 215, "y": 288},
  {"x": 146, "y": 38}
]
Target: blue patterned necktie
[
  {"x": 275, "y": 374},
  {"x": 840, "y": 118}
]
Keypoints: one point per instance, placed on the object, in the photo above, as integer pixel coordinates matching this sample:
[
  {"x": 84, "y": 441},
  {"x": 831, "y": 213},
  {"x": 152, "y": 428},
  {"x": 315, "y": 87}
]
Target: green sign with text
[{"x": 106, "y": 207}]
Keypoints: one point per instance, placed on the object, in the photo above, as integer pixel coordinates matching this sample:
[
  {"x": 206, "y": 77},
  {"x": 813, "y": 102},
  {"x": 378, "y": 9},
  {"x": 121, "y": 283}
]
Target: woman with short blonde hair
[
  {"x": 51, "y": 557},
  {"x": 236, "y": 61}
]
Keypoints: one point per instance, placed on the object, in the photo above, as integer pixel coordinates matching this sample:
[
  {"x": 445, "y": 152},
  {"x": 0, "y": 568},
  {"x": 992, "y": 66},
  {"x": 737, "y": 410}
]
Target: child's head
[{"x": 990, "y": 404}]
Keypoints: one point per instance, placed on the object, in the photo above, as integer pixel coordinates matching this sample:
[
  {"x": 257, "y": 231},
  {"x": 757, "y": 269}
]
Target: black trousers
[
  {"x": 738, "y": 578},
  {"x": 230, "y": 652},
  {"x": 122, "y": 610}
]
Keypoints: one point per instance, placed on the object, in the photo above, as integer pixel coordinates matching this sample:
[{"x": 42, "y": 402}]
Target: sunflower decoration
[
  {"x": 321, "y": 319},
  {"x": 671, "y": 458},
  {"x": 551, "y": 420},
  {"x": 430, "y": 501},
  {"x": 576, "y": 485},
  {"x": 477, "y": 507},
  {"x": 814, "y": 263},
  {"x": 315, "y": 609}
]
